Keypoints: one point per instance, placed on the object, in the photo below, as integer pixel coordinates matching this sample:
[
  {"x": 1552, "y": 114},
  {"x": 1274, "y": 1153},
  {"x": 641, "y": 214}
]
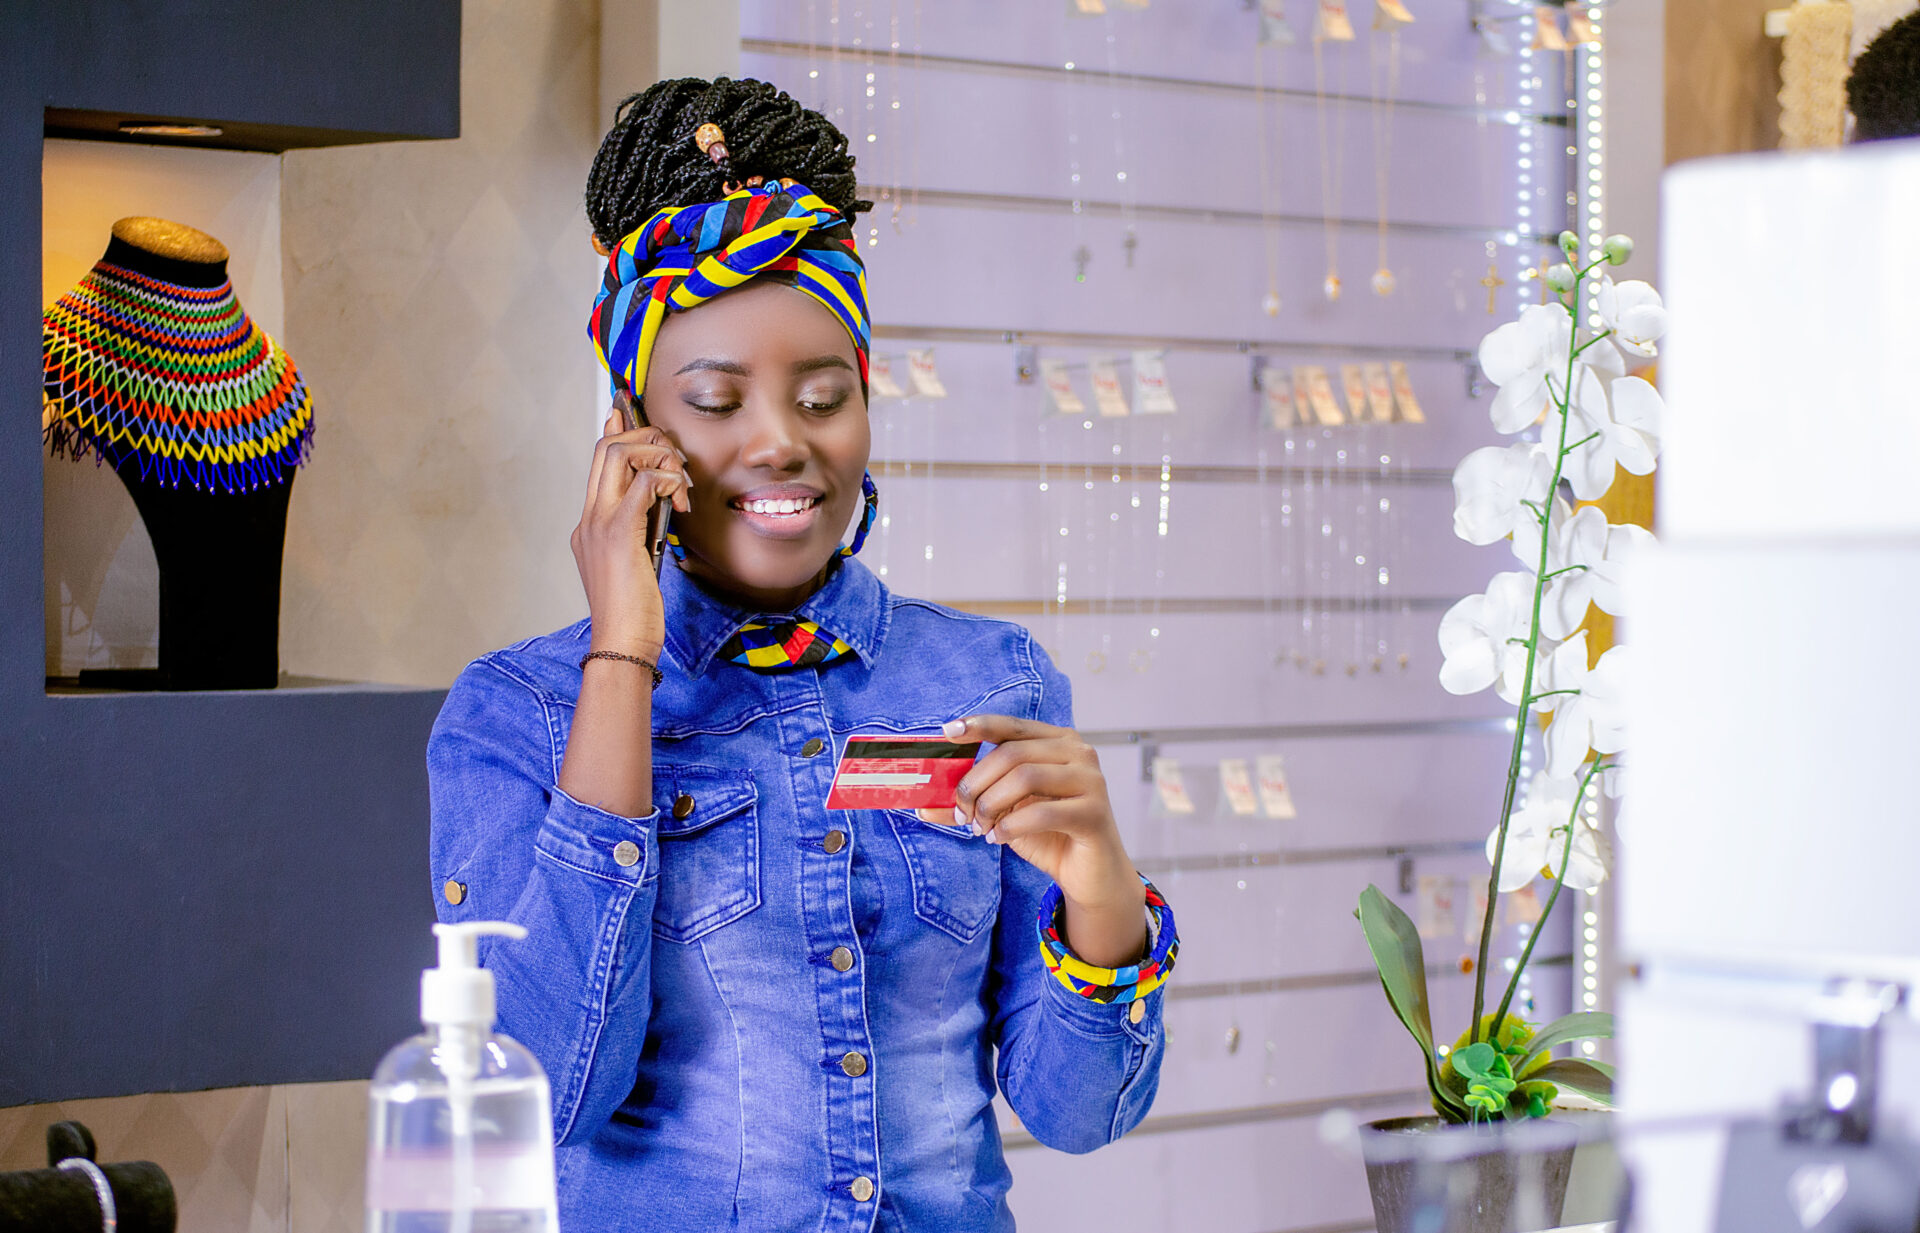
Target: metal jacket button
[
  {"x": 854, "y": 1064},
  {"x": 626, "y": 853},
  {"x": 862, "y": 1188},
  {"x": 841, "y": 958},
  {"x": 812, "y": 748},
  {"x": 1136, "y": 1012},
  {"x": 834, "y": 841},
  {"x": 456, "y": 892},
  {"x": 682, "y": 806}
]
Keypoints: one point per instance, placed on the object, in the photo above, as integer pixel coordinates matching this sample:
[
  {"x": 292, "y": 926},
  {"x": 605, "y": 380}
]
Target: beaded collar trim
[{"x": 177, "y": 382}]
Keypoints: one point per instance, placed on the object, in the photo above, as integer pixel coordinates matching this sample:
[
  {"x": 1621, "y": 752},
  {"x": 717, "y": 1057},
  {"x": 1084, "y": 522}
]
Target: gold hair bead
[{"x": 711, "y": 142}]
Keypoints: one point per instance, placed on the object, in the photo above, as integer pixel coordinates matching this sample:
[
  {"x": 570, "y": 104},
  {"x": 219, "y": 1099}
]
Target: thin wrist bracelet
[
  {"x": 1100, "y": 984},
  {"x": 649, "y": 665}
]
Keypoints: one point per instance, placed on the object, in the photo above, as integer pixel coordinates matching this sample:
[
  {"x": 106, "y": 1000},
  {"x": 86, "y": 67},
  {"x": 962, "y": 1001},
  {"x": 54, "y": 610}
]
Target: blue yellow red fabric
[
  {"x": 1099, "y": 984},
  {"x": 686, "y": 255},
  {"x": 775, "y": 646},
  {"x": 175, "y": 381}
]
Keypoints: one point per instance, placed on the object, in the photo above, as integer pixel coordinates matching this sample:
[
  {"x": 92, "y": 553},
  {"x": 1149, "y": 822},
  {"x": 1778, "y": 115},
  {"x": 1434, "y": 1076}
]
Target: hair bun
[{"x": 684, "y": 141}]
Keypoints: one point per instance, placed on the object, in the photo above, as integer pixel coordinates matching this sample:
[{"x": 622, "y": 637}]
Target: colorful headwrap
[
  {"x": 175, "y": 380},
  {"x": 684, "y": 256}
]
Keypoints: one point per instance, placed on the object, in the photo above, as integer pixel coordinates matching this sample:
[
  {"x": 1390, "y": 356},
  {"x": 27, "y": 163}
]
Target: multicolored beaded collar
[{"x": 175, "y": 381}]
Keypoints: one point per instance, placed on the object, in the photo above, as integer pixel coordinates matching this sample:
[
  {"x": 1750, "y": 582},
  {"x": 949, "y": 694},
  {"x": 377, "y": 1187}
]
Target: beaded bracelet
[
  {"x": 1098, "y": 984},
  {"x": 650, "y": 666}
]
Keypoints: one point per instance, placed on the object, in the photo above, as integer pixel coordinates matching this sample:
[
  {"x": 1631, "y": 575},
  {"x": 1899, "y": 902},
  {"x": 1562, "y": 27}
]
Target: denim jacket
[{"x": 756, "y": 1013}]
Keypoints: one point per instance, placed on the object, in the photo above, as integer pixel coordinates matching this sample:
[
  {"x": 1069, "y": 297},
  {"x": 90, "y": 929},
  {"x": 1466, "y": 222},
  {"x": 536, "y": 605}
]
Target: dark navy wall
[{"x": 198, "y": 890}]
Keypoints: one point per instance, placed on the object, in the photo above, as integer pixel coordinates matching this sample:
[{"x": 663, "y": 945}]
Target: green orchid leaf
[
  {"x": 1475, "y": 1061},
  {"x": 1590, "y": 1079},
  {"x": 1581, "y": 1025},
  {"x": 1402, "y": 964}
]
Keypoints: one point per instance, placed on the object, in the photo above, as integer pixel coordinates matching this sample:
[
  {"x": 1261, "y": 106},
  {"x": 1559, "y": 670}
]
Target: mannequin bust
[{"x": 218, "y": 543}]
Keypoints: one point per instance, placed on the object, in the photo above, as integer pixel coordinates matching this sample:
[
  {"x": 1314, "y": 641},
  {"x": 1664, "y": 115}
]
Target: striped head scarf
[{"x": 684, "y": 256}]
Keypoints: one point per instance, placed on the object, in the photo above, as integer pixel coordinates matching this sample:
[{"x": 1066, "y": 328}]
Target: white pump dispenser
[
  {"x": 460, "y": 990},
  {"x": 460, "y": 1126}
]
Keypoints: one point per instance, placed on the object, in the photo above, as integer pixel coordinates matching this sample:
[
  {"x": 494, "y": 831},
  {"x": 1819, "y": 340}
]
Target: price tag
[
  {"x": 926, "y": 378},
  {"x": 1150, "y": 393},
  {"x": 1335, "y": 26},
  {"x": 1435, "y": 913},
  {"x": 1236, "y": 787},
  {"x": 1107, "y": 394},
  {"x": 1059, "y": 383},
  {"x": 1355, "y": 384},
  {"x": 1403, "y": 394},
  {"x": 1320, "y": 391},
  {"x": 1276, "y": 798},
  {"x": 880, "y": 379},
  {"x": 1379, "y": 392},
  {"x": 1276, "y": 397},
  {"x": 1170, "y": 787}
]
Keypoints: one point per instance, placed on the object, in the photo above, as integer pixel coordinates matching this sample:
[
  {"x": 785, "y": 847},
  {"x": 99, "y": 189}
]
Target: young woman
[{"x": 756, "y": 1012}]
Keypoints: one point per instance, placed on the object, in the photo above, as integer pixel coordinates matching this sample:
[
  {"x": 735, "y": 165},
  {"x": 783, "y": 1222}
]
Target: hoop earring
[{"x": 872, "y": 495}]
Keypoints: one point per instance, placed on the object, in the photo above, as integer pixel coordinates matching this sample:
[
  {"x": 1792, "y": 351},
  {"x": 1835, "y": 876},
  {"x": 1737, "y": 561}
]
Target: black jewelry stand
[{"x": 219, "y": 554}]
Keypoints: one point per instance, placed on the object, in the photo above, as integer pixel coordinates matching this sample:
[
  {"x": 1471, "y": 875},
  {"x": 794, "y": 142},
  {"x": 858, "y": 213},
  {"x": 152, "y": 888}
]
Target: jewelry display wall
[{"x": 1219, "y": 495}]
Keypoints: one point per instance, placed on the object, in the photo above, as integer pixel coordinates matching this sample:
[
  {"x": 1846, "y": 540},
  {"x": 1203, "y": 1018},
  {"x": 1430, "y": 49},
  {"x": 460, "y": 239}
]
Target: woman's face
[{"x": 760, "y": 388}]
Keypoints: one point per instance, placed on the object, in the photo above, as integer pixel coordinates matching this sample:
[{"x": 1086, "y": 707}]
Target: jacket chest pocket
[
  {"x": 709, "y": 835},
  {"x": 956, "y": 875}
]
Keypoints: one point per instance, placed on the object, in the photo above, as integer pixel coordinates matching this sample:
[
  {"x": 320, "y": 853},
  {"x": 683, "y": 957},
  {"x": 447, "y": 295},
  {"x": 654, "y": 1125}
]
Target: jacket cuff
[
  {"x": 595, "y": 842},
  {"x": 1105, "y": 1019}
]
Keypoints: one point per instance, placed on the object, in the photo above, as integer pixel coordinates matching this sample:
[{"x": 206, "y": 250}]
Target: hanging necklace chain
[
  {"x": 1382, "y": 114},
  {"x": 1332, "y": 151}
]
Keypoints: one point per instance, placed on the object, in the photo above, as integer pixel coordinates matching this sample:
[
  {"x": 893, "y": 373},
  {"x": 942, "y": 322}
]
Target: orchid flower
[
  {"x": 1622, "y": 416},
  {"x": 1524, "y": 356},
  {"x": 1558, "y": 672},
  {"x": 1491, "y": 487},
  {"x": 1483, "y": 636},
  {"x": 1590, "y": 717},
  {"x": 1635, "y": 315},
  {"x": 1537, "y": 838},
  {"x": 1605, "y": 573},
  {"x": 1585, "y": 557}
]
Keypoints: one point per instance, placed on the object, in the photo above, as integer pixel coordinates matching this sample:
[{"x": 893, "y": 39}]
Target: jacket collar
[{"x": 852, "y": 604}]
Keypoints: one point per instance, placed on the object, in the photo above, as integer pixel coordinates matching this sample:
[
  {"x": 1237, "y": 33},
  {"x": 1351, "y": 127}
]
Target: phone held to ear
[
  {"x": 892, "y": 771},
  {"x": 631, "y": 417}
]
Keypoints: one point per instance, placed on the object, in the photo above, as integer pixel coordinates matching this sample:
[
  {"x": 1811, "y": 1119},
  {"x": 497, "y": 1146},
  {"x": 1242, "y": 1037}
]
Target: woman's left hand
[{"x": 1041, "y": 792}]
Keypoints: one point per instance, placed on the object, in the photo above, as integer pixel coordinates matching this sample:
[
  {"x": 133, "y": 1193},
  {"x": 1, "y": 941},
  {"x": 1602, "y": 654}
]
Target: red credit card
[{"x": 900, "y": 772}]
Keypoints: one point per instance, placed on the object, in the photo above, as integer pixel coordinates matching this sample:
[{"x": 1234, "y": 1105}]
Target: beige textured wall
[
  {"x": 1723, "y": 76},
  {"x": 437, "y": 297}
]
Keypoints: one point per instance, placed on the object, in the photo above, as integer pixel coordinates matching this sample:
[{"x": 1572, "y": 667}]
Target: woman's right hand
[{"x": 631, "y": 471}]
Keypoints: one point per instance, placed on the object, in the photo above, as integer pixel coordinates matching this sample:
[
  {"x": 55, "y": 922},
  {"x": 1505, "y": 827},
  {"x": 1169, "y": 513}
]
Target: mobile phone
[{"x": 632, "y": 417}]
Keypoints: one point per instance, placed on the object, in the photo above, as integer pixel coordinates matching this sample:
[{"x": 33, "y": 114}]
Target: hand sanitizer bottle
[{"x": 460, "y": 1126}]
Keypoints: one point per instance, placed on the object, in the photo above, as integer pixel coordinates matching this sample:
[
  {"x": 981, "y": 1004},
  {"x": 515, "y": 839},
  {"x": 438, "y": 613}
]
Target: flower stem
[
  {"x": 1520, "y": 727},
  {"x": 1553, "y": 896},
  {"x": 1582, "y": 441},
  {"x": 1568, "y": 570},
  {"x": 1596, "y": 338}
]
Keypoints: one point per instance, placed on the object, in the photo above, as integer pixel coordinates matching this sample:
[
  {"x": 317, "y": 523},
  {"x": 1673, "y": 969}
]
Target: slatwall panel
[{"x": 1200, "y": 641}]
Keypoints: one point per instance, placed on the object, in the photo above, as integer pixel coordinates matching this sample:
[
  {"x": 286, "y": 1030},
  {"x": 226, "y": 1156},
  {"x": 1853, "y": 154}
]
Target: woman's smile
[{"x": 779, "y": 511}]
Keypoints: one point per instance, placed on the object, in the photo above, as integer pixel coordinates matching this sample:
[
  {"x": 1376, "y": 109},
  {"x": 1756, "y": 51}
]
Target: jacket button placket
[{"x": 827, "y": 840}]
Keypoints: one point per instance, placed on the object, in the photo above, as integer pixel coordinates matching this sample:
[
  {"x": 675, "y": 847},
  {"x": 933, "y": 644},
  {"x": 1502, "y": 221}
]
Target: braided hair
[
  {"x": 648, "y": 160},
  {"x": 1883, "y": 91}
]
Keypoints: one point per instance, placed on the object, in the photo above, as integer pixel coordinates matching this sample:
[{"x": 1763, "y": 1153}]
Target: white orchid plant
[{"x": 1523, "y": 638}]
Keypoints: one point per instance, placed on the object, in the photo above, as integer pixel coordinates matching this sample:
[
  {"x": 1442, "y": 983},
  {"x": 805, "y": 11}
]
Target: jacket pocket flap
[{"x": 691, "y": 799}]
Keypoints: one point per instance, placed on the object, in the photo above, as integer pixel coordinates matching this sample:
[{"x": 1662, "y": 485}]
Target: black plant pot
[{"x": 1426, "y": 1175}]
